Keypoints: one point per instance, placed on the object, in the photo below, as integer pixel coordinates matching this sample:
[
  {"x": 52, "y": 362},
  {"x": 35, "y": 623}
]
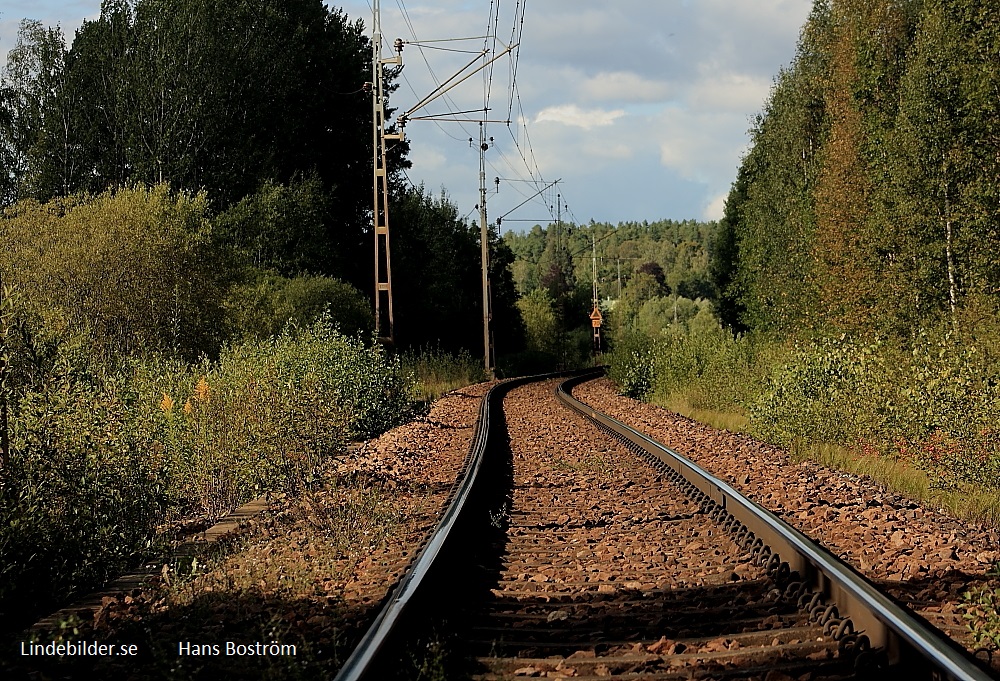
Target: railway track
[{"x": 582, "y": 549}]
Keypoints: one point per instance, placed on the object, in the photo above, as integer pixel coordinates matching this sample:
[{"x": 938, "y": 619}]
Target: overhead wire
[
  {"x": 410, "y": 85},
  {"x": 449, "y": 102},
  {"x": 525, "y": 149}
]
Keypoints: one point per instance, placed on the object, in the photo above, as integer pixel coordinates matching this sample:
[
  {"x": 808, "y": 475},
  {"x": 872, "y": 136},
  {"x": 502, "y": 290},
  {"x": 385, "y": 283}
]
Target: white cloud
[
  {"x": 700, "y": 146},
  {"x": 715, "y": 208},
  {"x": 608, "y": 149},
  {"x": 571, "y": 114},
  {"x": 623, "y": 86},
  {"x": 736, "y": 92},
  {"x": 427, "y": 158}
]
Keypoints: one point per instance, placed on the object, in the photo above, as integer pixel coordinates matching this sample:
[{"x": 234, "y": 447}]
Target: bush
[
  {"x": 98, "y": 462},
  {"x": 633, "y": 363},
  {"x": 267, "y": 302},
  {"x": 80, "y": 497},
  {"x": 934, "y": 404},
  {"x": 827, "y": 391},
  {"x": 136, "y": 269},
  {"x": 437, "y": 371},
  {"x": 280, "y": 227}
]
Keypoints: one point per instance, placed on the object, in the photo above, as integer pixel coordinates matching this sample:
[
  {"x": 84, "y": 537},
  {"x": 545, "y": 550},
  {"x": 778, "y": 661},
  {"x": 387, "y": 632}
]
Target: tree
[
  {"x": 233, "y": 97},
  {"x": 134, "y": 269},
  {"x": 654, "y": 270},
  {"x": 437, "y": 278},
  {"x": 934, "y": 166},
  {"x": 35, "y": 129},
  {"x": 776, "y": 215},
  {"x": 540, "y": 322}
]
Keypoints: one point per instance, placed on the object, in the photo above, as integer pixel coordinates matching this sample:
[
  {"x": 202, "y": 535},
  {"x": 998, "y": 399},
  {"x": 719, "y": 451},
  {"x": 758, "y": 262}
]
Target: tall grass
[{"x": 437, "y": 371}]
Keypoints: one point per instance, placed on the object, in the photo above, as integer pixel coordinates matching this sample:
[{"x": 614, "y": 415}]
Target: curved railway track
[{"x": 576, "y": 547}]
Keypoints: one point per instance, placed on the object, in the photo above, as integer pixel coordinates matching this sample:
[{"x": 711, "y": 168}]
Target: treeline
[
  {"x": 259, "y": 107},
  {"x": 652, "y": 275},
  {"x": 870, "y": 198}
]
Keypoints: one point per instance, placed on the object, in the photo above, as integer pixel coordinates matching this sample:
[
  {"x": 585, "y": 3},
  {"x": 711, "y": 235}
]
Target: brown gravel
[
  {"x": 608, "y": 571},
  {"x": 921, "y": 556}
]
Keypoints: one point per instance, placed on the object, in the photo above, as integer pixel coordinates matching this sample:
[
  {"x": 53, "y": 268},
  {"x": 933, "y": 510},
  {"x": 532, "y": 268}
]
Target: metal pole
[
  {"x": 594, "y": 243},
  {"x": 595, "y": 324},
  {"x": 380, "y": 208},
  {"x": 484, "y": 236},
  {"x": 5, "y": 318}
]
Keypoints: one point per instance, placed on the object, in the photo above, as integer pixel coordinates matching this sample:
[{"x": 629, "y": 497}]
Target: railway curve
[{"x": 563, "y": 557}]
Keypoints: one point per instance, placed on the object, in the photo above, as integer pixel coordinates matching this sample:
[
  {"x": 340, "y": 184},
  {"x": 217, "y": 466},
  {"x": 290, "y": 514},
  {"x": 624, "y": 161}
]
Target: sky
[{"x": 640, "y": 107}]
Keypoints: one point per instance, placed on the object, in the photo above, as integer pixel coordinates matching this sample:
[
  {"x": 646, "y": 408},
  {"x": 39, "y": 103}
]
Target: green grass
[
  {"x": 438, "y": 372},
  {"x": 732, "y": 421}
]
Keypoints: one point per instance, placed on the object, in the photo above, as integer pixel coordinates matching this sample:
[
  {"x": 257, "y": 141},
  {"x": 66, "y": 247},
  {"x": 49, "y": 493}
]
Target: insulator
[{"x": 398, "y": 44}]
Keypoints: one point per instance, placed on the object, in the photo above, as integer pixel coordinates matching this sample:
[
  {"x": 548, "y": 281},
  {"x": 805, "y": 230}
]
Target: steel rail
[
  {"x": 906, "y": 639},
  {"x": 363, "y": 661}
]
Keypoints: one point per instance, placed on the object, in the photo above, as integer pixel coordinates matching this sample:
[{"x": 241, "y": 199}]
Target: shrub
[
  {"x": 81, "y": 495},
  {"x": 824, "y": 392},
  {"x": 99, "y": 461},
  {"x": 633, "y": 364},
  {"x": 134, "y": 268},
  {"x": 264, "y": 304},
  {"x": 437, "y": 371}
]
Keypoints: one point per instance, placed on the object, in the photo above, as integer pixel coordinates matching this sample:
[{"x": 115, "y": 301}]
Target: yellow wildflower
[
  {"x": 167, "y": 403},
  {"x": 201, "y": 391},
  {"x": 188, "y": 408}
]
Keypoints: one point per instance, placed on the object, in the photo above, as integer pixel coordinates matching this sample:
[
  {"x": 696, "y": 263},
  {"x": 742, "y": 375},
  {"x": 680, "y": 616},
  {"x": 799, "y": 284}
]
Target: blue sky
[{"x": 640, "y": 107}]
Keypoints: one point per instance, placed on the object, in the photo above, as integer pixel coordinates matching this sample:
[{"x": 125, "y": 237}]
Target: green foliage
[
  {"x": 680, "y": 250},
  {"x": 99, "y": 461},
  {"x": 540, "y": 321},
  {"x": 638, "y": 265},
  {"x": 633, "y": 364},
  {"x": 821, "y": 391},
  {"x": 136, "y": 269},
  {"x": 868, "y": 199},
  {"x": 437, "y": 278},
  {"x": 668, "y": 314},
  {"x": 438, "y": 372},
  {"x": 934, "y": 405},
  {"x": 982, "y": 612},
  {"x": 267, "y": 302},
  {"x": 279, "y": 227}
]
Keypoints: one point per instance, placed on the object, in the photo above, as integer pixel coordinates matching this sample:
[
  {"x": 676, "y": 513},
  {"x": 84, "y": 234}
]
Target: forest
[
  {"x": 650, "y": 275},
  {"x": 855, "y": 264}
]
